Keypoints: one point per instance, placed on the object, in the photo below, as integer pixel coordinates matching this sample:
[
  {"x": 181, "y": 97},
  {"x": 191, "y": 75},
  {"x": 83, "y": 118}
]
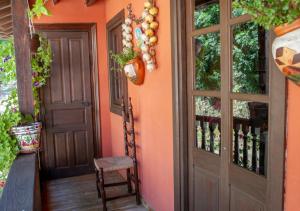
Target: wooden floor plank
[{"x": 80, "y": 194}]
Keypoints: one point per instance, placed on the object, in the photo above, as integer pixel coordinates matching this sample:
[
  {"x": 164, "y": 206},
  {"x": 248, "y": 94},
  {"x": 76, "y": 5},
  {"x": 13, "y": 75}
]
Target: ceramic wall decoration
[
  {"x": 135, "y": 71},
  {"x": 134, "y": 60},
  {"x": 286, "y": 50}
]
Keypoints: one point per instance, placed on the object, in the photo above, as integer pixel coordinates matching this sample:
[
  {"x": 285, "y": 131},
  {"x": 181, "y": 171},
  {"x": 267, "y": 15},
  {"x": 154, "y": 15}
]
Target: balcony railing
[
  {"x": 22, "y": 189},
  {"x": 248, "y": 141}
]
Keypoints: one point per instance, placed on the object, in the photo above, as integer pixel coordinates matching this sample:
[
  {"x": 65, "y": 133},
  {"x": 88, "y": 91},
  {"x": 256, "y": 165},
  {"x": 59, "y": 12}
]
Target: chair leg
[
  {"x": 97, "y": 183},
  {"x": 102, "y": 190},
  {"x": 129, "y": 181},
  {"x": 136, "y": 183}
]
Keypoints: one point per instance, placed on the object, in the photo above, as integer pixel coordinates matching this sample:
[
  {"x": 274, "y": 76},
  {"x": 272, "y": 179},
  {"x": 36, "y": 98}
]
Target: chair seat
[{"x": 113, "y": 163}]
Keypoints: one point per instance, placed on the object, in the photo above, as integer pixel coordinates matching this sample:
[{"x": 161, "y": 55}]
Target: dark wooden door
[
  {"x": 68, "y": 141},
  {"x": 235, "y": 111}
]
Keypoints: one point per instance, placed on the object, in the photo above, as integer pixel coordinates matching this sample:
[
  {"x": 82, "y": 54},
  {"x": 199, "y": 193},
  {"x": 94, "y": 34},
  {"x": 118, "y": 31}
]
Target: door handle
[{"x": 86, "y": 104}]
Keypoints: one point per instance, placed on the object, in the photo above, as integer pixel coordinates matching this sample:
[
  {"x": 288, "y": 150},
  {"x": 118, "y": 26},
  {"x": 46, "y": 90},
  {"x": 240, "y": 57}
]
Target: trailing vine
[
  {"x": 41, "y": 62},
  {"x": 38, "y": 9}
]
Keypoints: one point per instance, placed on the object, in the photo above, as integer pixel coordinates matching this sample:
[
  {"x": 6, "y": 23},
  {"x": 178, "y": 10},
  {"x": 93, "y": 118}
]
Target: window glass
[
  {"x": 207, "y": 61},
  {"x": 250, "y": 135},
  {"x": 208, "y": 124},
  {"x": 206, "y": 14},
  {"x": 250, "y": 56}
]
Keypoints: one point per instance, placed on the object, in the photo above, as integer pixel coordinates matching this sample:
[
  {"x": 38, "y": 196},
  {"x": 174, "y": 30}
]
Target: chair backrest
[{"x": 128, "y": 130}]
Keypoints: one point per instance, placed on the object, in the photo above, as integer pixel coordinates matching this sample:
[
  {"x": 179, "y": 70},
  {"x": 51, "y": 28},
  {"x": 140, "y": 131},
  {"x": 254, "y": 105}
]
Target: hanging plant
[
  {"x": 130, "y": 62},
  {"x": 284, "y": 18},
  {"x": 271, "y": 13},
  {"x": 38, "y": 9}
]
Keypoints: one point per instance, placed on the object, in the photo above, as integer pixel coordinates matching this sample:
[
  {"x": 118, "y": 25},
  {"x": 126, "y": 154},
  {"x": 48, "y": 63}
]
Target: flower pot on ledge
[
  {"x": 286, "y": 50},
  {"x": 28, "y": 137},
  {"x": 135, "y": 71}
]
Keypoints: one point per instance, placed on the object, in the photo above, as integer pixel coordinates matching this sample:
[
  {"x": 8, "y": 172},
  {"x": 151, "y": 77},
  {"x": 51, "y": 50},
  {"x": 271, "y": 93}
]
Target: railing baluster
[
  {"x": 217, "y": 139},
  {"x": 257, "y": 132},
  {"x": 241, "y": 146},
  {"x": 207, "y": 136},
  {"x": 249, "y": 149},
  {"x": 254, "y": 152},
  {"x": 199, "y": 135}
]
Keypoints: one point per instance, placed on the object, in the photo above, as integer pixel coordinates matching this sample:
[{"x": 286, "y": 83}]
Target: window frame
[{"x": 115, "y": 104}]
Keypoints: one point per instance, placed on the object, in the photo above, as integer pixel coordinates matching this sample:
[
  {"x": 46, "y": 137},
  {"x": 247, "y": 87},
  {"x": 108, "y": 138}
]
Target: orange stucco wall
[
  {"x": 152, "y": 102},
  {"x": 153, "y": 106},
  {"x": 153, "y": 111},
  {"x": 292, "y": 179}
]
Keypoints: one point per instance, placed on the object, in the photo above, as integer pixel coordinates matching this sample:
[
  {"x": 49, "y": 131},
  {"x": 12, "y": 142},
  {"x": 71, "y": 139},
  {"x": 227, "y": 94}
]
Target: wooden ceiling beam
[{"x": 90, "y": 2}]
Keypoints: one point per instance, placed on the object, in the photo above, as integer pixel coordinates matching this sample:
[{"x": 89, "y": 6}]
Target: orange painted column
[{"x": 292, "y": 177}]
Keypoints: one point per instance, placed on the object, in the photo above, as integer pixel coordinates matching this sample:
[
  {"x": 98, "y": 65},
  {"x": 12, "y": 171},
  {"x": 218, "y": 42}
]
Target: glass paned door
[
  {"x": 231, "y": 89},
  {"x": 204, "y": 96}
]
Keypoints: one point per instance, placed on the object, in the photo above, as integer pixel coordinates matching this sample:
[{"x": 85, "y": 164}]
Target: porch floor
[{"x": 79, "y": 193}]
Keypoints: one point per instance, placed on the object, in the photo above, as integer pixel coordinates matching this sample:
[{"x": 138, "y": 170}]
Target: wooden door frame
[
  {"x": 91, "y": 28},
  {"x": 180, "y": 120}
]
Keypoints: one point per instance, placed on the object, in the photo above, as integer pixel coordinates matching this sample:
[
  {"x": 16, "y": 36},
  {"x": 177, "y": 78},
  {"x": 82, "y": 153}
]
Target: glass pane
[
  {"x": 207, "y": 13},
  {"x": 208, "y": 124},
  {"x": 236, "y": 10},
  {"x": 250, "y": 56},
  {"x": 207, "y": 61},
  {"x": 250, "y": 135}
]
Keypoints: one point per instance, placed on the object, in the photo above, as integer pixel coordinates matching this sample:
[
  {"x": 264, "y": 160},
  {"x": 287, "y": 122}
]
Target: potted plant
[
  {"x": 284, "y": 18},
  {"x": 132, "y": 65},
  {"x": 24, "y": 129},
  {"x": 28, "y": 134}
]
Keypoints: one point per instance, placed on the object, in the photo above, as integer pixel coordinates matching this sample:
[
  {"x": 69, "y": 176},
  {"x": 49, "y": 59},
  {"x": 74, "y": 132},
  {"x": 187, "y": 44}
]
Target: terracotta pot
[
  {"x": 286, "y": 28},
  {"x": 28, "y": 137},
  {"x": 286, "y": 50},
  {"x": 135, "y": 71}
]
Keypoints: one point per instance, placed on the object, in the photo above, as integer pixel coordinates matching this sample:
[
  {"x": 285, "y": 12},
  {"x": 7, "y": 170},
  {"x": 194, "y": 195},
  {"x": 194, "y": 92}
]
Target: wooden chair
[{"x": 127, "y": 162}]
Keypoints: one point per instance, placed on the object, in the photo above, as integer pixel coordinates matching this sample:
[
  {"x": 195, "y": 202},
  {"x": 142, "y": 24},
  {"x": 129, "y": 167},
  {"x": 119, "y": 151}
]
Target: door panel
[
  {"x": 204, "y": 181},
  {"x": 240, "y": 200},
  {"x": 67, "y": 105}
]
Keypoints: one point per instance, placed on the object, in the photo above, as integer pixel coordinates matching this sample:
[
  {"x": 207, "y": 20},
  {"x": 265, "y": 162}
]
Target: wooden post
[{"x": 23, "y": 58}]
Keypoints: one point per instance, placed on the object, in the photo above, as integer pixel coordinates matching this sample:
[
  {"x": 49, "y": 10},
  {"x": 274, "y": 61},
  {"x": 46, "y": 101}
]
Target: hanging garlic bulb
[
  {"x": 150, "y": 67},
  {"x": 128, "y": 37},
  {"x": 128, "y": 21},
  {"x": 144, "y": 48},
  {"x": 145, "y": 25},
  {"x": 129, "y": 45},
  {"x": 146, "y": 57}
]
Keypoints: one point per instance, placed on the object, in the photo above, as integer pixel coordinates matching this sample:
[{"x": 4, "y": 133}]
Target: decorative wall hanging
[
  {"x": 132, "y": 59},
  {"x": 146, "y": 38},
  {"x": 286, "y": 50}
]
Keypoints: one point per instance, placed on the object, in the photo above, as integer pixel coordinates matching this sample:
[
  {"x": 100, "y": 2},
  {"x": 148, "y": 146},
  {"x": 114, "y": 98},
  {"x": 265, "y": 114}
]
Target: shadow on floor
[{"x": 79, "y": 193}]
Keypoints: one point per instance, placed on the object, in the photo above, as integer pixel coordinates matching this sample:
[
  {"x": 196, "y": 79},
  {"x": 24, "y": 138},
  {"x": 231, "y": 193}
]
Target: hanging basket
[
  {"x": 286, "y": 50},
  {"x": 135, "y": 71},
  {"x": 28, "y": 137}
]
